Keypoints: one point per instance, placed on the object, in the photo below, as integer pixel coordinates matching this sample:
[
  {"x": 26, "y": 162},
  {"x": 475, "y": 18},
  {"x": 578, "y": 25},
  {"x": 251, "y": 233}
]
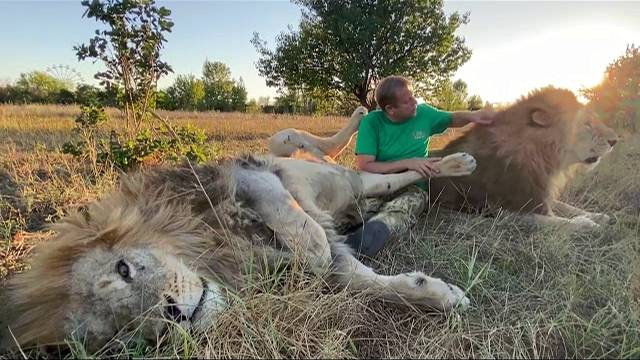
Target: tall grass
[{"x": 535, "y": 292}]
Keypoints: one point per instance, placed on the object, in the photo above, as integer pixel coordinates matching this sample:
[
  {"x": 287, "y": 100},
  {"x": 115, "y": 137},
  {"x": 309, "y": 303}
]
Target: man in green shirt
[{"x": 393, "y": 139}]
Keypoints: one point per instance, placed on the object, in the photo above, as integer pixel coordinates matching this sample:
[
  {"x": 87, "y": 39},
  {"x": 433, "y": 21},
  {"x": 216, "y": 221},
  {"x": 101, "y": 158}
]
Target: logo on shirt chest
[{"x": 419, "y": 135}]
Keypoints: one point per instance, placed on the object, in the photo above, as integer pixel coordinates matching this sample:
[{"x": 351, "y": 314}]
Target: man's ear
[{"x": 541, "y": 117}]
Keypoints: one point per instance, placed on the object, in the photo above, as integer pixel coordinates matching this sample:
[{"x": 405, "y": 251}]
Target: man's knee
[{"x": 413, "y": 201}]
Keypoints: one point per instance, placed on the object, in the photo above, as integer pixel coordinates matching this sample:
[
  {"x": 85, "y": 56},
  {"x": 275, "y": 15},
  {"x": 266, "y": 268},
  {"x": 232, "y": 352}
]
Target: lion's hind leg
[
  {"x": 286, "y": 142},
  {"x": 293, "y": 227},
  {"x": 413, "y": 288}
]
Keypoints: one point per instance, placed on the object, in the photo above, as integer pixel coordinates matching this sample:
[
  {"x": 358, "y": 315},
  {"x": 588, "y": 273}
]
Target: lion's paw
[
  {"x": 433, "y": 292},
  {"x": 582, "y": 222},
  {"x": 457, "y": 298},
  {"x": 357, "y": 115},
  {"x": 458, "y": 164},
  {"x": 360, "y": 111},
  {"x": 601, "y": 219}
]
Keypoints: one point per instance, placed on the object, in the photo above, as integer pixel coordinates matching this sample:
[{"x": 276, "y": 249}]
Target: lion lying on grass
[
  {"x": 174, "y": 244},
  {"x": 524, "y": 159}
]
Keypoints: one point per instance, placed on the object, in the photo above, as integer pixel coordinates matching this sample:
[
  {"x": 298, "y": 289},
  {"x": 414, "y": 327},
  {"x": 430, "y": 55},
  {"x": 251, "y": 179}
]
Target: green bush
[{"x": 159, "y": 143}]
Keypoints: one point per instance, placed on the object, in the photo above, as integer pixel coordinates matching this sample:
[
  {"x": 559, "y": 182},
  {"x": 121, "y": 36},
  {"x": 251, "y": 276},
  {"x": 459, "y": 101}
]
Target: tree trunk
[{"x": 362, "y": 94}]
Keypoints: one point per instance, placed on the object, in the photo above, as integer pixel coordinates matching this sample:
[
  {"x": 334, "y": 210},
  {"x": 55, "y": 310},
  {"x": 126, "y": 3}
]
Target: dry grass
[{"x": 535, "y": 292}]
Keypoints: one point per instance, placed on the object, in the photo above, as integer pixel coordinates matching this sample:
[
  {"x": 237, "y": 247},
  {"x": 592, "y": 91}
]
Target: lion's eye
[{"x": 123, "y": 270}]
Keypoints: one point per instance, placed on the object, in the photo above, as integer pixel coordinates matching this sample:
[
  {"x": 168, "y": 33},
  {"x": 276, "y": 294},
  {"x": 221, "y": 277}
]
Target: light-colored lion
[
  {"x": 527, "y": 156},
  {"x": 524, "y": 159},
  {"x": 175, "y": 243}
]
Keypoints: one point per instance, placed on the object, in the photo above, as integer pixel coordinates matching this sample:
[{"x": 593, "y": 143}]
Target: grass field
[{"x": 535, "y": 292}]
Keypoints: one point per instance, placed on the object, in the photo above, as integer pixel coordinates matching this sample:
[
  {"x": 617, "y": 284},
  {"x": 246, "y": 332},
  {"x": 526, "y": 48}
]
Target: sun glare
[{"x": 572, "y": 57}]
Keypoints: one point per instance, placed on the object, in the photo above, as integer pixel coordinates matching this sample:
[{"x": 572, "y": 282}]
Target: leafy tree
[
  {"x": 617, "y": 97},
  {"x": 238, "y": 97},
  {"x": 11, "y": 94},
  {"x": 314, "y": 102},
  {"x": 65, "y": 96},
  {"x": 451, "y": 95},
  {"x": 253, "y": 107},
  {"x": 130, "y": 50},
  {"x": 38, "y": 86},
  {"x": 218, "y": 85},
  {"x": 222, "y": 93},
  {"x": 454, "y": 96},
  {"x": 6, "y": 94},
  {"x": 348, "y": 46},
  {"x": 186, "y": 93},
  {"x": 88, "y": 94},
  {"x": 264, "y": 100},
  {"x": 290, "y": 102},
  {"x": 474, "y": 102}
]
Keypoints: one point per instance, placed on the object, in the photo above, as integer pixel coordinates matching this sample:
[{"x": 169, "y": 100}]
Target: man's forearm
[
  {"x": 379, "y": 167},
  {"x": 460, "y": 118}
]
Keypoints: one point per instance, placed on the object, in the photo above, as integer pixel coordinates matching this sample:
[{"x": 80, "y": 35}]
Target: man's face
[{"x": 404, "y": 107}]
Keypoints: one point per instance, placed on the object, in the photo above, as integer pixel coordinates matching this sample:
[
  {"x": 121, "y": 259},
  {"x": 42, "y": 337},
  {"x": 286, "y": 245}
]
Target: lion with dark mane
[
  {"x": 173, "y": 244},
  {"x": 526, "y": 158}
]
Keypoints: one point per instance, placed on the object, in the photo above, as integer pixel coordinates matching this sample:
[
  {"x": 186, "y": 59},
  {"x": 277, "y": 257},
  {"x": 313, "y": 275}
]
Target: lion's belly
[{"x": 333, "y": 189}]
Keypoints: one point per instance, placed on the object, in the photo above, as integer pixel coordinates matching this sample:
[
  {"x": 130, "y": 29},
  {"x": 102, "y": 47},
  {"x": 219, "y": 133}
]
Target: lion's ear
[{"x": 541, "y": 117}]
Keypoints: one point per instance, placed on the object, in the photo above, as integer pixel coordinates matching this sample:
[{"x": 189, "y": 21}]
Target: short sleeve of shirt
[
  {"x": 367, "y": 140},
  {"x": 440, "y": 120}
]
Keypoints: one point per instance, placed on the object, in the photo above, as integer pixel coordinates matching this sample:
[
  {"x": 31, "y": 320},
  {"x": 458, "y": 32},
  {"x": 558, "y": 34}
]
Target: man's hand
[
  {"x": 485, "y": 116},
  {"x": 425, "y": 167}
]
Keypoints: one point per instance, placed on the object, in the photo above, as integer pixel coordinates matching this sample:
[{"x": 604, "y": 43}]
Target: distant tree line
[{"x": 214, "y": 90}]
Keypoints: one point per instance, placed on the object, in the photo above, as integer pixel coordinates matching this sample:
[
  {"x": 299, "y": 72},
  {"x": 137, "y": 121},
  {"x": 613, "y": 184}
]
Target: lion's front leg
[
  {"x": 572, "y": 211},
  {"x": 283, "y": 215},
  {"x": 414, "y": 288},
  {"x": 458, "y": 164},
  {"x": 578, "y": 223}
]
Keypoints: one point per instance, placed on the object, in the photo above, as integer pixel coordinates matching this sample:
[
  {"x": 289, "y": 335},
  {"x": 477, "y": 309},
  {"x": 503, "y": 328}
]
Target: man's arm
[
  {"x": 424, "y": 166},
  {"x": 462, "y": 118}
]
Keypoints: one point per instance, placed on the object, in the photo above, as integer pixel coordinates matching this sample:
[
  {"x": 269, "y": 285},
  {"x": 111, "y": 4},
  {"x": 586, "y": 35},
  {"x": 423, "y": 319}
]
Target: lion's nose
[{"x": 612, "y": 142}]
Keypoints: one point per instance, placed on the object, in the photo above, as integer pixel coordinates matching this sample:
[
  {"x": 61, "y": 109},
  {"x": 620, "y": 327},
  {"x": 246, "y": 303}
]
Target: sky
[{"x": 517, "y": 45}]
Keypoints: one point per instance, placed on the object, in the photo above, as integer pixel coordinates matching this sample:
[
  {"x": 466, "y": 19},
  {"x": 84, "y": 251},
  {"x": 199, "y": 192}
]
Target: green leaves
[
  {"x": 148, "y": 144},
  {"x": 348, "y": 46},
  {"x": 130, "y": 50},
  {"x": 617, "y": 97}
]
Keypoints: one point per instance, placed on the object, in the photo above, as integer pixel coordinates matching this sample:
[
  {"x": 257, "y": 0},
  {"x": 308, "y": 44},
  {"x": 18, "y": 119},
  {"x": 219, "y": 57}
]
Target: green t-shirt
[{"x": 388, "y": 141}]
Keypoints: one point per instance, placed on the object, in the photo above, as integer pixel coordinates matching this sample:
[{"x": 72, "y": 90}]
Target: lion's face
[
  {"x": 143, "y": 289},
  {"x": 129, "y": 263},
  {"x": 592, "y": 140}
]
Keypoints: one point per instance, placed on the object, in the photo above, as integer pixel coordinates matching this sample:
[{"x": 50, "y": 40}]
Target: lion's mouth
[
  {"x": 591, "y": 160},
  {"x": 203, "y": 297},
  {"x": 172, "y": 310}
]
